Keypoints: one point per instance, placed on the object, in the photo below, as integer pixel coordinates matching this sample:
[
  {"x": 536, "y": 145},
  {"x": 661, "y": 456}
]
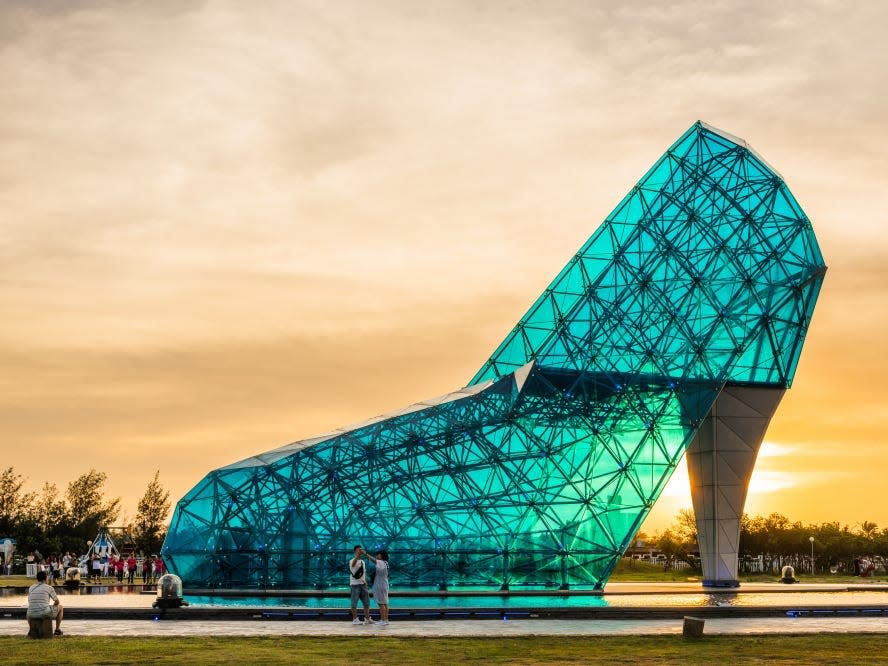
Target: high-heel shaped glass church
[{"x": 675, "y": 329}]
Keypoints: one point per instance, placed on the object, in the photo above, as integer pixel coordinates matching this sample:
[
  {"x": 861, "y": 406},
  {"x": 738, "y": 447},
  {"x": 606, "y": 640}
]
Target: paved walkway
[
  {"x": 475, "y": 628},
  {"x": 779, "y": 624}
]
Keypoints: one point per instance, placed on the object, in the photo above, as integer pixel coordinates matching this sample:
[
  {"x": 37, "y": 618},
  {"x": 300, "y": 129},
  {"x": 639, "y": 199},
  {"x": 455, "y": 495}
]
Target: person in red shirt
[
  {"x": 158, "y": 568},
  {"x": 119, "y": 564},
  {"x": 131, "y": 569}
]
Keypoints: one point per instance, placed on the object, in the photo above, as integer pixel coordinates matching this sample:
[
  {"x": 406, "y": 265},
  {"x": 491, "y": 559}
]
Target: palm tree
[{"x": 868, "y": 529}]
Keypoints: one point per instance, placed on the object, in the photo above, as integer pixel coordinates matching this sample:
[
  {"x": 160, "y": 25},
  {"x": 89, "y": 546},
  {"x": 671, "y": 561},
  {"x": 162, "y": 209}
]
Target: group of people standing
[
  {"x": 120, "y": 566},
  {"x": 98, "y": 566},
  {"x": 361, "y": 591},
  {"x": 54, "y": 566}
]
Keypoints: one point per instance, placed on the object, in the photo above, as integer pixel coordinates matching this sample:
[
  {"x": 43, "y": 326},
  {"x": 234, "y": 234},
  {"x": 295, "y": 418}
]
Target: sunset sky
[{"x": 230, "y": 225}]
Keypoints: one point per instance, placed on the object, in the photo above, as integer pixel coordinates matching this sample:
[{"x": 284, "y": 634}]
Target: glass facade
[{"x": 542, "y": 469}]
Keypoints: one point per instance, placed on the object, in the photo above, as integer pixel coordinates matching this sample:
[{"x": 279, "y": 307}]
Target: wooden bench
[{"x": 39, "y": 627}]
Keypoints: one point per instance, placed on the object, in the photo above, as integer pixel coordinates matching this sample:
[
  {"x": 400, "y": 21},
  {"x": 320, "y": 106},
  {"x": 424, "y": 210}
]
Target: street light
[{"x": 811, "y": 539}]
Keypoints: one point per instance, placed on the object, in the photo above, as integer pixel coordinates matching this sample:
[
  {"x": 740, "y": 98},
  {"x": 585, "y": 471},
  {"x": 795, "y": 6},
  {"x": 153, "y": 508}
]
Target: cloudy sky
[{"x": 229, "y": 225}]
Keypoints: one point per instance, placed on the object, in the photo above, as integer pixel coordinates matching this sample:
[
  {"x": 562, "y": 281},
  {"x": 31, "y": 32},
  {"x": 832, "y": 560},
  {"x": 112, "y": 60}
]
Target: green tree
[
  {"x": 672, "y": 546},
  {"x": 686, "y": 526},
  {"x": 679, "y": 540},
  {"x": 87, "y": 507},
  {"x": 49, "y": 510},
  {"x": 15, "y": 504},
  {"x": 45, "y": 528},
  {"x": 868, "y": 529},
  {"x": 153, "y": 509}
]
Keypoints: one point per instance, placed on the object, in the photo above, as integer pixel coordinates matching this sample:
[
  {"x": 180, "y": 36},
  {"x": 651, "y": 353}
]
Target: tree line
[
  {"x": 51, "y": 522},
  {"x": 769, "y": 542}
]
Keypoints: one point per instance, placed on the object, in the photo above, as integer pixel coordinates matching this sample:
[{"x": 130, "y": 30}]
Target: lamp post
[{"x": 811, "y": 539}]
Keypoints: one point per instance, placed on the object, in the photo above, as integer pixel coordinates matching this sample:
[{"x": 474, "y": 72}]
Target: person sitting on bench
[{"x": 43, "y": 603}]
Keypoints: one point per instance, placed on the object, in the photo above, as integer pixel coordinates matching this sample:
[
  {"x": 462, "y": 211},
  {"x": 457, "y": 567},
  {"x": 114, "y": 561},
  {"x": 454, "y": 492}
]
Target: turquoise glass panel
[{"x": 541, "y": 470}]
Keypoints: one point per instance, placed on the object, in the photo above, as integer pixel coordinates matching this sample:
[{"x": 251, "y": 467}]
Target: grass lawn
[
  {"x": 16, "y": 581},
  {"x": 634, "y": 571},
  {"x": 369, "y": 651}
]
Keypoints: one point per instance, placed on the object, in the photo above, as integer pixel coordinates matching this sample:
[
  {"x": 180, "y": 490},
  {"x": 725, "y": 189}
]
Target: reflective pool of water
[{"x": 635, "y": 600}]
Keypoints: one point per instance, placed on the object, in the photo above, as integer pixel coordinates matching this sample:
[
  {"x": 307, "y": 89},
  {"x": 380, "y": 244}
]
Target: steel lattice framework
[{"x": 541, "y": 470}]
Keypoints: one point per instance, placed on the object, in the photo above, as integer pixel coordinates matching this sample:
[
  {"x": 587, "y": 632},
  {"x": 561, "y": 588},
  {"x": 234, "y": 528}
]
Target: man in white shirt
[
  {"x": 43, "y": 602},
  {"x": 358, "y": 585}
]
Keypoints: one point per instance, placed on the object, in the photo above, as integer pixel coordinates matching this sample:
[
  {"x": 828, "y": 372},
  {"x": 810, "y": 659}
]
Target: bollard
[{"x": 693, "y": 627}]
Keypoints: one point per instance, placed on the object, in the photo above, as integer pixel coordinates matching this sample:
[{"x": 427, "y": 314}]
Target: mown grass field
[
  {"x": 636, "y": 571},
  {"x": 372, "y": 651}
]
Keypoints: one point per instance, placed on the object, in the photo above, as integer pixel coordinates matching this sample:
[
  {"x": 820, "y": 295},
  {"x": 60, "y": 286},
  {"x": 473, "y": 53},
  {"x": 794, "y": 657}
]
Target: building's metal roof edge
[
  {"x": 272, "y": 456},
  {"x": 740, "y": 142}
]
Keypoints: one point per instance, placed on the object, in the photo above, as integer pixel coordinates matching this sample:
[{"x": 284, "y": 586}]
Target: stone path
[{"x": 474, "y": 628}]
